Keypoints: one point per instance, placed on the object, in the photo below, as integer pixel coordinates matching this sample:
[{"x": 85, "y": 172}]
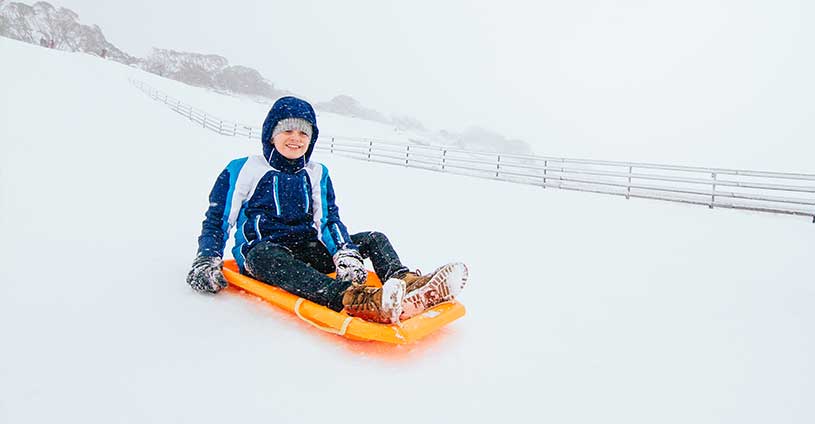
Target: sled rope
[{"x": 341, "y": 331}]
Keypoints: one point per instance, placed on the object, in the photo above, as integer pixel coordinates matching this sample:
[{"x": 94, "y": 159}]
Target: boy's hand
[
  {"x": 350, "y": 267},
  {"x": 206, "y": 275}
]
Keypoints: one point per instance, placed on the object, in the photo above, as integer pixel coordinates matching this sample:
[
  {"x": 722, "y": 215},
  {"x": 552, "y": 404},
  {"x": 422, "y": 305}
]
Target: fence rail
[{"x": 763, "y": 191}]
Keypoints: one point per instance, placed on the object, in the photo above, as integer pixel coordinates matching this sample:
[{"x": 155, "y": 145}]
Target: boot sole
[{"x": 446, "y": 283}]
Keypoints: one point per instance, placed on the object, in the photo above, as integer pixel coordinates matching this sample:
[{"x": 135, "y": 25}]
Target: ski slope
[{"x": 581, "y": 308}]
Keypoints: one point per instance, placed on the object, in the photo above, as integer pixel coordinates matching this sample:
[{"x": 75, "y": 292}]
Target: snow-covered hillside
[
  {"x": 43, "y": 23},
  {"x": 581, "y": 308}
]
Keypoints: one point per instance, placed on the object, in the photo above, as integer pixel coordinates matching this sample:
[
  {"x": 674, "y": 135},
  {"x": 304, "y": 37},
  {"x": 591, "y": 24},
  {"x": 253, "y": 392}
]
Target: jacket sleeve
[
  {"x": 224, "y": 203},
  {"x": 215, "y": 228},
  {"x": 334, "y": 234}
]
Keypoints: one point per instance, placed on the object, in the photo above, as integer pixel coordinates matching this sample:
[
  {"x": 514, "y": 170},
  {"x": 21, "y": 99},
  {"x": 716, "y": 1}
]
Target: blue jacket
[{"x": 269, "y": 197}]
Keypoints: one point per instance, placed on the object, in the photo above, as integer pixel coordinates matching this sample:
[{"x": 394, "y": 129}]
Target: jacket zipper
[
  {"x": 276, "y": 198},
  {"x": 305, "y": 192}
]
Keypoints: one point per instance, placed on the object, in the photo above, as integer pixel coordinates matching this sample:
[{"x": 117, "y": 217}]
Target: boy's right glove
[
  {"x": 206, "y": 275},
  {"x": 350, "y": 266}
]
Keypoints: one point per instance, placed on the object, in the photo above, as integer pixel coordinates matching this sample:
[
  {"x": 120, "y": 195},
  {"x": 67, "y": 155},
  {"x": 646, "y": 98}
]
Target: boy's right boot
[
  {"x": 427, "y": 291},
  {"x": 377, "y": 304}
]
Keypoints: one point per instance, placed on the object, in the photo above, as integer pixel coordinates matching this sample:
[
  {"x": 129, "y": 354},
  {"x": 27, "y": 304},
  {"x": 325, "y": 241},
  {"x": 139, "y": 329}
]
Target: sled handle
[{"x": 340, "y": 332}]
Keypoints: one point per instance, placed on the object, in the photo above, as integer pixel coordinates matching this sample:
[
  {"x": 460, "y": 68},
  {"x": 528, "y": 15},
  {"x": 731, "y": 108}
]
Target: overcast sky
[{"x": 637, "y": 75}]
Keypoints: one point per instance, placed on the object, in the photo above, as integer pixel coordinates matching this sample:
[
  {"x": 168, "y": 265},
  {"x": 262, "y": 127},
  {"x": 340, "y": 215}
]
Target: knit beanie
[{"x": 288, "y": 124}]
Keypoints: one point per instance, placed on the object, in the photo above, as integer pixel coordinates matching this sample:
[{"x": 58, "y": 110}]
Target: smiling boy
[{"x": 289, "y": 233}]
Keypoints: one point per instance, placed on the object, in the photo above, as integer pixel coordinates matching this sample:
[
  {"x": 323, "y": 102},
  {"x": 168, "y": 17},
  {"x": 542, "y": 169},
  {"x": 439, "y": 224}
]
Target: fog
[{"x": 658, "y": 81}]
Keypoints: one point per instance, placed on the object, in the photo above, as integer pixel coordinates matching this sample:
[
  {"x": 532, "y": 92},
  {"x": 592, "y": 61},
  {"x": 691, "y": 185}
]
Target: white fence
[{"x": 775, "y": 192}]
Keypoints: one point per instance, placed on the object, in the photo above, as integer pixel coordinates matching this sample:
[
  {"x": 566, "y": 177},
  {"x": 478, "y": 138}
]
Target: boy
[{"x": 289, "y": 232}]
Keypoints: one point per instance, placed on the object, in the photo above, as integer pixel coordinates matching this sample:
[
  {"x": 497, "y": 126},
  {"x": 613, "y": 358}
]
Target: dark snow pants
[{"x": 301, "y": 270}]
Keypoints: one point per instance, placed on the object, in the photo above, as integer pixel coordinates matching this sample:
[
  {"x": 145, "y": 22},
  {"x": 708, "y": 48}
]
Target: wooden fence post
[
  {"x": 545, "y": 171},
  {"x": 628, "y": 189}
]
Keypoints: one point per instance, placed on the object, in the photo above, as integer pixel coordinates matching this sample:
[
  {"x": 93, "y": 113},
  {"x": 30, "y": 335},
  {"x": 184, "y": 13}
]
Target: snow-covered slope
[{"x": 581, "y": 308}]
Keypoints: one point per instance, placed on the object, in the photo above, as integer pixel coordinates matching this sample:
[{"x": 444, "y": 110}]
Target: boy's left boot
[{"x": 427, "y": 291}]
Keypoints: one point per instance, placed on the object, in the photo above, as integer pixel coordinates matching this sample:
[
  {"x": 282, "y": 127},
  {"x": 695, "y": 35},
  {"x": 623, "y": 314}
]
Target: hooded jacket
[{"x": 272, "y": 198}]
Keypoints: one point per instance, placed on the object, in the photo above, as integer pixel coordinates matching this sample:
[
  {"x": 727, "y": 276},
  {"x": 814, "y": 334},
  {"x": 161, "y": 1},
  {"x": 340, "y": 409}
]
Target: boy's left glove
[{"x": 350, "y": 266}]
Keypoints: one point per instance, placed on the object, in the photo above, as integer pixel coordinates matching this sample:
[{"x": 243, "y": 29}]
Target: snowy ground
[{"x": 581, "y": 308}]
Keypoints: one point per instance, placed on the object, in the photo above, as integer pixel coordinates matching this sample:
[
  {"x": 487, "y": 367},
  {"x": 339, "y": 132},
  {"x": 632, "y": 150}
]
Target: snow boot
[
  {"x": 444, "y": 284},
  {"x": 377, "y": 304},
  {"x": 413, "y": 280}
]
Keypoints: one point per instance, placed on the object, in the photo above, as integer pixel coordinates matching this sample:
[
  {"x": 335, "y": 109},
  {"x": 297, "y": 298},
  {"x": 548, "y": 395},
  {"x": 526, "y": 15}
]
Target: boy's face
[{"x": 291, "y": 144}]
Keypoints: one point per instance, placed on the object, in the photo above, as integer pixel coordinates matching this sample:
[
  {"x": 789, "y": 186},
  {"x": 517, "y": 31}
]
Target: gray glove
[
  {"x": 349, "y": 266},
  {"x": 206, "y": 275}
]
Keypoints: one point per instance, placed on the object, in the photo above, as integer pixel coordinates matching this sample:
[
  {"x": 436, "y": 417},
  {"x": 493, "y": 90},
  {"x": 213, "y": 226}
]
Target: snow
[
  {"x": 393, "y": 289},
  {"x": 580, "y": 308}
]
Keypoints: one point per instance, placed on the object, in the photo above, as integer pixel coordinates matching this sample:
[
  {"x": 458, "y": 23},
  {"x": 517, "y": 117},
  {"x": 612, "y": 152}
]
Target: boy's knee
[
  {"x": 378, "y": 237},
  {"x": 266, "y": 258}
]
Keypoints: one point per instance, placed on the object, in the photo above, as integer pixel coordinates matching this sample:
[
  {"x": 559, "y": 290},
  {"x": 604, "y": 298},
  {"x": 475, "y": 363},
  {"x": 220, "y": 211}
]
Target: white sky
[{"x": 652, "y": 80}]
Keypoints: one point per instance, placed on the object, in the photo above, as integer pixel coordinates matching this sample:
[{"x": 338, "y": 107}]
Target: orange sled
[{"x": 343, "y": 324}]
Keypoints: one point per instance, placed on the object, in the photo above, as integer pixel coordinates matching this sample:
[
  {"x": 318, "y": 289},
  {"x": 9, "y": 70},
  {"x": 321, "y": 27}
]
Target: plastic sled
[{"x": 341, "y": 323}]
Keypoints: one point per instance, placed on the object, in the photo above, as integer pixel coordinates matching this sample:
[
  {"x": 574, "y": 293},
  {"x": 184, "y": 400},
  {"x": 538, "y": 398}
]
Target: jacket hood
[{"x": 287, "y": 107}]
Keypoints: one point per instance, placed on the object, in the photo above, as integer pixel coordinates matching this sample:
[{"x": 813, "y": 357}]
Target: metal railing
[{"x": 776, "y": 192}]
